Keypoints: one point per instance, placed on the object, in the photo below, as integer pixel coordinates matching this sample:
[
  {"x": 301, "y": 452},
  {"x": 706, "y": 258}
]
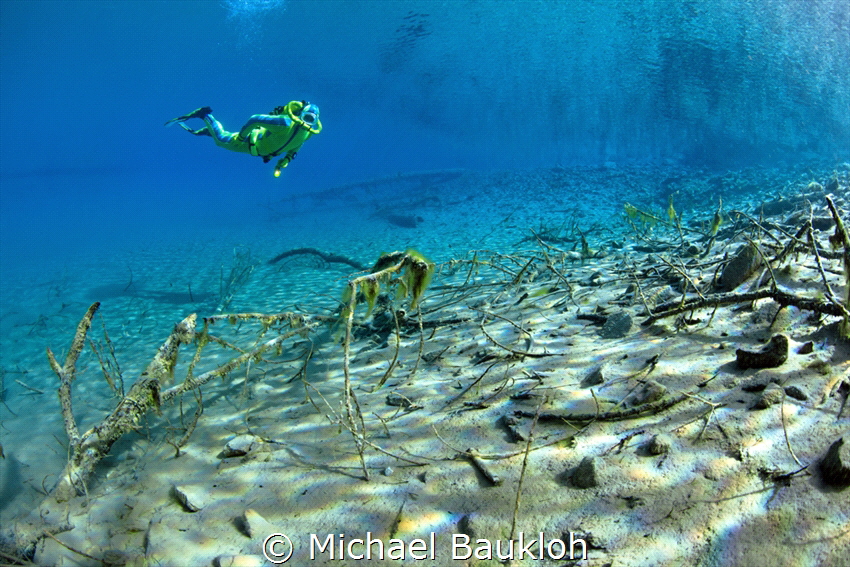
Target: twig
[
  {"x": 652, "y": 407},
  {"x": 785, "y": 430},
  {"x": 28, "y": 387},
  {"x": 841, "y": 238},
  {"x": 783, "y": 298},
  {"x": 68, "y": 372},
  {"x": 514, "y": 351},
  {"x": 348, "y": 394},
  {"x": 482, "y": 468},
  {"x": 393, "y": 362},
  {"x": 468, "y": 388},
  {"x": 713, "y": 407},
  {"x": 523, "y": 468}
]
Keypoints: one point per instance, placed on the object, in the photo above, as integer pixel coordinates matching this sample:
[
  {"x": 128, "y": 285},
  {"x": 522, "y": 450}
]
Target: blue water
[{"x": 403, "y": 86}]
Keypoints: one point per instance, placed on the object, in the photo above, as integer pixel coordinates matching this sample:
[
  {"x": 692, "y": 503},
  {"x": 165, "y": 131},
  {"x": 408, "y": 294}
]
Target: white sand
[{"x": 708, "y": 501}]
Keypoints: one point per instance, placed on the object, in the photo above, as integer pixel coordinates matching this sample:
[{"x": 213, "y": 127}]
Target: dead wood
[
  {"x": 783, "y": 298},
  {"x": 329, "y": 258},
  {"x": 614, "y": 415}
]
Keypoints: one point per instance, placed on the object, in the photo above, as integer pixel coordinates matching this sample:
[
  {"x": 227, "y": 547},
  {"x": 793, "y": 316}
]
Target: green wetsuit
[{"x": 264, "y": 135}]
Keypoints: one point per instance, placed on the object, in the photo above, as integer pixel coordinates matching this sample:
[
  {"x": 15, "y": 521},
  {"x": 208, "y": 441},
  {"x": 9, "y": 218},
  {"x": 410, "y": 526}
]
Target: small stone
[
  {"x": 587, "y": 473},
  {"x": 464, "y": 525},
  {"x": 776, "y": 207},
  {"x": 252, "y": 524},
  {"x": 240, "y": 446},
  {"x": 659, "y": 444},
  {"x": 806, "y": 348},
  {"x": 595, "y": 377},
  {"x": 512, "y": 423},
  {"x": 771, "y": 395},
  {"x": 117, "y": 557},
  {"x": 396, "y": 399},
  {"x": 616, "y": 326},
  {"x": 742, "y": 265},
  {"x": 760, "y": 381},
  {"x": 388, "y": 471},
  {"x": 433, "y": 356},
  {"x": 192, "y": 498},
  {"x": 796, "y": 392},
  {"x": 822, "y": 367},
  {"x": 595, "y": 279},
  {"x": 835, "y": 466},
  {"x": 650, "y": 391},
  {"x": 822, "y": 223},
  {"x": 771, "y": 356}
]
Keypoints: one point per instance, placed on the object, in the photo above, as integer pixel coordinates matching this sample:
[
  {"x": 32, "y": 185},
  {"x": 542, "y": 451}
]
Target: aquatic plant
[
  {"x": 240, "y": 272},
  {"x": 411, "y": 273},
  {"x": 671, "y": 211},
  {"x": 717, "y": 220},
  {"x": 634, "y": 214}
]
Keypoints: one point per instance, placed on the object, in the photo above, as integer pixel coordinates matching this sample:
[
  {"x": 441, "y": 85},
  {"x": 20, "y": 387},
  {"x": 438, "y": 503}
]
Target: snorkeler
[{"x": 285, "y": 129}]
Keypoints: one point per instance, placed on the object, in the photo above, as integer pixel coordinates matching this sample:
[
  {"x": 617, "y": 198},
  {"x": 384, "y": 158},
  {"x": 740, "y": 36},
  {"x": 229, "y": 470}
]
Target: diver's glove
[{"x": 283, "y": 162}]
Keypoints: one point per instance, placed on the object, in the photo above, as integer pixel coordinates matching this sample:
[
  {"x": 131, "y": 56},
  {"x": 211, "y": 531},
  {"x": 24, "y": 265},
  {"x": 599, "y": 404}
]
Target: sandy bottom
[{"x": 512, "y": 329}]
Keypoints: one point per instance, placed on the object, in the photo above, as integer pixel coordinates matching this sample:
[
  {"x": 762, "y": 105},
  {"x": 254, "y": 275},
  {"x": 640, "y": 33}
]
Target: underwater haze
[{"x": 402, "y": 86}]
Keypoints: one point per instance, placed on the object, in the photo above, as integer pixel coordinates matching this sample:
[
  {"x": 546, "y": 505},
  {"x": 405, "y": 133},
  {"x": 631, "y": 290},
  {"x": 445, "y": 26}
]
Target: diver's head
[{"x": 310, "y": 114}]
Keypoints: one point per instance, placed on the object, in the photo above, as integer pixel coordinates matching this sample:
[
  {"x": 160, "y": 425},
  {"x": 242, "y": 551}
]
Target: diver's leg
[
  {"x": 199, "y": 132},
  {"x": 221, "y": 136}
]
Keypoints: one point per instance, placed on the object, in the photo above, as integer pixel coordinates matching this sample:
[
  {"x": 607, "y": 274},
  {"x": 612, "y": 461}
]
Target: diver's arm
[
  {"x": 284, "y": 161},
  {"x": 263, "y": 120}
]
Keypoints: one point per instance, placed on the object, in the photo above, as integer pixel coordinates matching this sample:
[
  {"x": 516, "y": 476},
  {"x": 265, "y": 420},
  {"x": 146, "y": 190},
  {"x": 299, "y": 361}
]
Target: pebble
[
  {"x": 835, "y": 466},
  {"x": 399, "y": 400},
  {"x": 797, "y": 393},
  {"x": 806, "y": 348},
  {"x": 252, "y": 524},
  {"x": 616, "y": 326},
  {"x": 822, "y": 223},
  {"x": 240, "y": 445},
  {"x": 595, "y": 377},
  {"x": 770, "y": 396},
  {"x": 740, "y": 267},
  {"x": 192, "y": 498},
  {"x": 650, "y": 391},
  {"x": 587, "y": 473},
  {"x": 659, "y": 444}
]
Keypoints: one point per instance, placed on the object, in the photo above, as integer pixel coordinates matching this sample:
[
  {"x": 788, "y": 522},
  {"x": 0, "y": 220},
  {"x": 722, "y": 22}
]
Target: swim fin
[{"x": 199, "y": 113}]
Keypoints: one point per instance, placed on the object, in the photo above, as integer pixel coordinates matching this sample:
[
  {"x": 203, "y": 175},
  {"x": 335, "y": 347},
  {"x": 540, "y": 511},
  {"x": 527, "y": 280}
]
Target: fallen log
[{"x": 329, "y": 258}]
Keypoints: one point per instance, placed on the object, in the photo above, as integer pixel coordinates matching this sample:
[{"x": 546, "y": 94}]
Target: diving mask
[{"x": 310, "y": 114}]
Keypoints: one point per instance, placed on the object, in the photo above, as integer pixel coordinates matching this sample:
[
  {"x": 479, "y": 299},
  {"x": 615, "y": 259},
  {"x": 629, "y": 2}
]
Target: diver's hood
[{"x": 310, "y": 114}]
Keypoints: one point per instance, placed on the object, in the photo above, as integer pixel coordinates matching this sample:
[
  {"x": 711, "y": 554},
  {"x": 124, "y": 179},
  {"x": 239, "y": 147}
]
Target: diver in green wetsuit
[{"x": 282, "y": 131}]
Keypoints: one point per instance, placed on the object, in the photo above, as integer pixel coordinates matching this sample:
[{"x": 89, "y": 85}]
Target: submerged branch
[{"x": 329, "y": 258}]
